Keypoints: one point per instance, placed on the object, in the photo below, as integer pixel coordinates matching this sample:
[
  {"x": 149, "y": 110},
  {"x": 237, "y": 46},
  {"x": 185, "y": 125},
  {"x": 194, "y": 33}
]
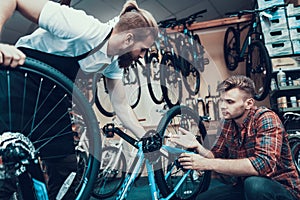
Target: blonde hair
[
  {"x": 238, "y": 81},
  {"x": 138, "y": 20}
]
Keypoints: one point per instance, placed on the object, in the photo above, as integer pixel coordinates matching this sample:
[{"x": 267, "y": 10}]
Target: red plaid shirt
[{"x": 262, "y": 140}]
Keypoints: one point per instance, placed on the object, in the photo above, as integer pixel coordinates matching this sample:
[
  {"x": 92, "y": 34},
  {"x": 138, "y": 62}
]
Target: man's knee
[{"x": 255, "y": 184}]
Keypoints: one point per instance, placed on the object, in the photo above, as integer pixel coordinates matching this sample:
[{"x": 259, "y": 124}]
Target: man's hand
[
  {"x": 11, "y": 56},
  {"x": 186, "y": 139},
  {"x": 193, "y": 161}
]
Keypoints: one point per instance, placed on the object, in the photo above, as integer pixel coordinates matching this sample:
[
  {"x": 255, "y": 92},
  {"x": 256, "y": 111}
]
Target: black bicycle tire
[
  {"x": 264, "y": 55},
  {"x": 197, "y": 42},
  {"x": 136, "y": 73},
  {"x": 189, "y": 68},
  {"x": 37, "y": 67},
  {"x": 295, "y": 150},
  {"x": 163, "y": 186},
  {"x": 111, "y": 113},
  {"x": 195, "y": 90},
  {"x": 155, "y": 99},
  {"x": 98, "y": 104},
  {"x": 108, "y": 192},
  {"x": 231, "y": 65},
  {"x": 163, "y": 81}
]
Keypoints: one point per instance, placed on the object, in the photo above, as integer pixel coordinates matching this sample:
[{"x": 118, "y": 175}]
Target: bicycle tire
[
  {"x": 192, "y": 81},
  {"x": 170, "y": 80},
  {"x": 199, "y": 49},
  {"x": 102, "y": 99},
  {"x": 110, "y": 180},
  {"x": 259, "y": 69},
  {"x": 188, "y": 56},
  {"x": 48, "y": 77},
  {"x": 189, "y": 120},
  {"x": 132, "y": 84},
  {"x": 153, "y": 76},
  {"x": 231, "y": 48},
  {"x": 295, "y": 150},
  {"x": 101, "y": 95}
]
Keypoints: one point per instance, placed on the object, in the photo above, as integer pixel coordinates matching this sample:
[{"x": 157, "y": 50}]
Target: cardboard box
[
  {"x": 286, "y": 63},
  {"x": 277, "y": 36}
]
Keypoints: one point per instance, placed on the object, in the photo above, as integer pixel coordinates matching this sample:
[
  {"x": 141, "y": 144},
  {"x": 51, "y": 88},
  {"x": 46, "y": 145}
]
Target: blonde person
[
  {"x": 251, "y": 153},
  {"x": 91, "y": 46}
]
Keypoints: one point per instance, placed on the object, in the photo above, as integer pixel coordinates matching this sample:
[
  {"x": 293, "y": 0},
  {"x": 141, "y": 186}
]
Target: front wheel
[
  {"x": 167, "y": 172},
  {"x": 258, "y": 68},
  {"x": 170, "y": 80},
  {"x": 111, "y": 173}
]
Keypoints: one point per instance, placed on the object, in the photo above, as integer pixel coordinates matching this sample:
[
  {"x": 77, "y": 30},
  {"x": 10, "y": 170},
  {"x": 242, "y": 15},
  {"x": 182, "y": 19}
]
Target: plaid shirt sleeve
[{"x": 269, "y": 135}]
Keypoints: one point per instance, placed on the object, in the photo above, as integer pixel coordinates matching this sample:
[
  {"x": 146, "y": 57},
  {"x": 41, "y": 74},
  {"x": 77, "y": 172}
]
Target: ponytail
[
  {"x": 129, "y": 6},
  {"x": 132, "y": 17}
]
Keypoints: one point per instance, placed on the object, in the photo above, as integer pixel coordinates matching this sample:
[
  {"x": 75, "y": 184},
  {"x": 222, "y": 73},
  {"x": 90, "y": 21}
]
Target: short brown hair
[
  {"x": 238, "y": 81},
  {"x": 137, "y": 20}
]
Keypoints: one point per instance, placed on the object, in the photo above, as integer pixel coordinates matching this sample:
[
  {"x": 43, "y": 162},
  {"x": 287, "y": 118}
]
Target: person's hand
[
  {"x": 193, "y": 161},
  {"x": 11, "y": 56},
  {"x": 185, "y": 139}
]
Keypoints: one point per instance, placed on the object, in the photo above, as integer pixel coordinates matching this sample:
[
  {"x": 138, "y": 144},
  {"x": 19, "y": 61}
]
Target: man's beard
[{"x": 125, "y": 60}]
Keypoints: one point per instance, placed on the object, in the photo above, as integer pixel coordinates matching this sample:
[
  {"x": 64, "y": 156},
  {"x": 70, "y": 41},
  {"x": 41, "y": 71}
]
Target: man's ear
[
  {"x": 249, "y": 103},
  {"x": 129, "y": 39}
]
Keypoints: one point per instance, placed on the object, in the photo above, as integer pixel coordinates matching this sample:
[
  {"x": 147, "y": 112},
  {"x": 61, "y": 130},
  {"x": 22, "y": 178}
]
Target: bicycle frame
[
  {"x": 253, "y": 26},
  {"x": 140, "y": 157}
]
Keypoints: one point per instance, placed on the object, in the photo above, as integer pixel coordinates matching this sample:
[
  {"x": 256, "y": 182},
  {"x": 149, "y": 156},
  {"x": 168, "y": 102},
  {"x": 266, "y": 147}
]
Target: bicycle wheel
[
  {"x": 153, "y": 77},
  {"x": 192, "y": 81},
  {"x": 189, "y": 63},
  {"x": 111, "y": 173},
  {"x": 231, "y": 48},
  {"x": 102, "y": 99},
  {"x": 170, "y": 80},
  {"x": 198, "y": 53},
  {"x": 168, "y": 172},
  {"x": 295, "y": 150},
  {"x": 132, "y": 84},
  {"x": 34, "y": 101},
  {"x": 259, "y": 69}
]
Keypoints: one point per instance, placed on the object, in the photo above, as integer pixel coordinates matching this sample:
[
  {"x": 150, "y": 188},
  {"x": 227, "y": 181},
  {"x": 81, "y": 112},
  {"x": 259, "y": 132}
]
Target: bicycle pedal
[{"x": 206, "y": 61}]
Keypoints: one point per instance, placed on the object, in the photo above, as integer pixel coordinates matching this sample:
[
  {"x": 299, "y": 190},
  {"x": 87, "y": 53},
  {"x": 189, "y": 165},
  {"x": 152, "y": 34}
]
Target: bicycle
[
  {"x": 26, "y": 131},
  {"x": 291, "y": 124},
  {"x": 167, "y": 179},
  {"x": 132, "y": 85},
  {"x": 190, "y": 53},
  {"x": 252, "y": 48}
]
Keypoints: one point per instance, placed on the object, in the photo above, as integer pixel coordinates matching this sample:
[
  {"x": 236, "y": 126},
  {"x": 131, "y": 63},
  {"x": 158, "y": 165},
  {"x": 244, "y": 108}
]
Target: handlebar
[
  {"x": 254, "y": 11},
  {"x": 190, "y": 19},
  {"x": 172, "y": 22}
]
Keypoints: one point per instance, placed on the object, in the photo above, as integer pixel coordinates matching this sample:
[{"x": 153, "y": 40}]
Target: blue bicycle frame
[{"x": 130, "y": 178}]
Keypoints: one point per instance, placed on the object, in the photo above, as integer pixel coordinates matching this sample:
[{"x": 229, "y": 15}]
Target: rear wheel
[
  {"x": 231, "y": 48},
  {"x": 36, "y": 101}
]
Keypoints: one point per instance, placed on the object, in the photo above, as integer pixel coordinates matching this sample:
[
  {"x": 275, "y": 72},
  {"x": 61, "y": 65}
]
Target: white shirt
[{"x": 68, "y": 32}]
